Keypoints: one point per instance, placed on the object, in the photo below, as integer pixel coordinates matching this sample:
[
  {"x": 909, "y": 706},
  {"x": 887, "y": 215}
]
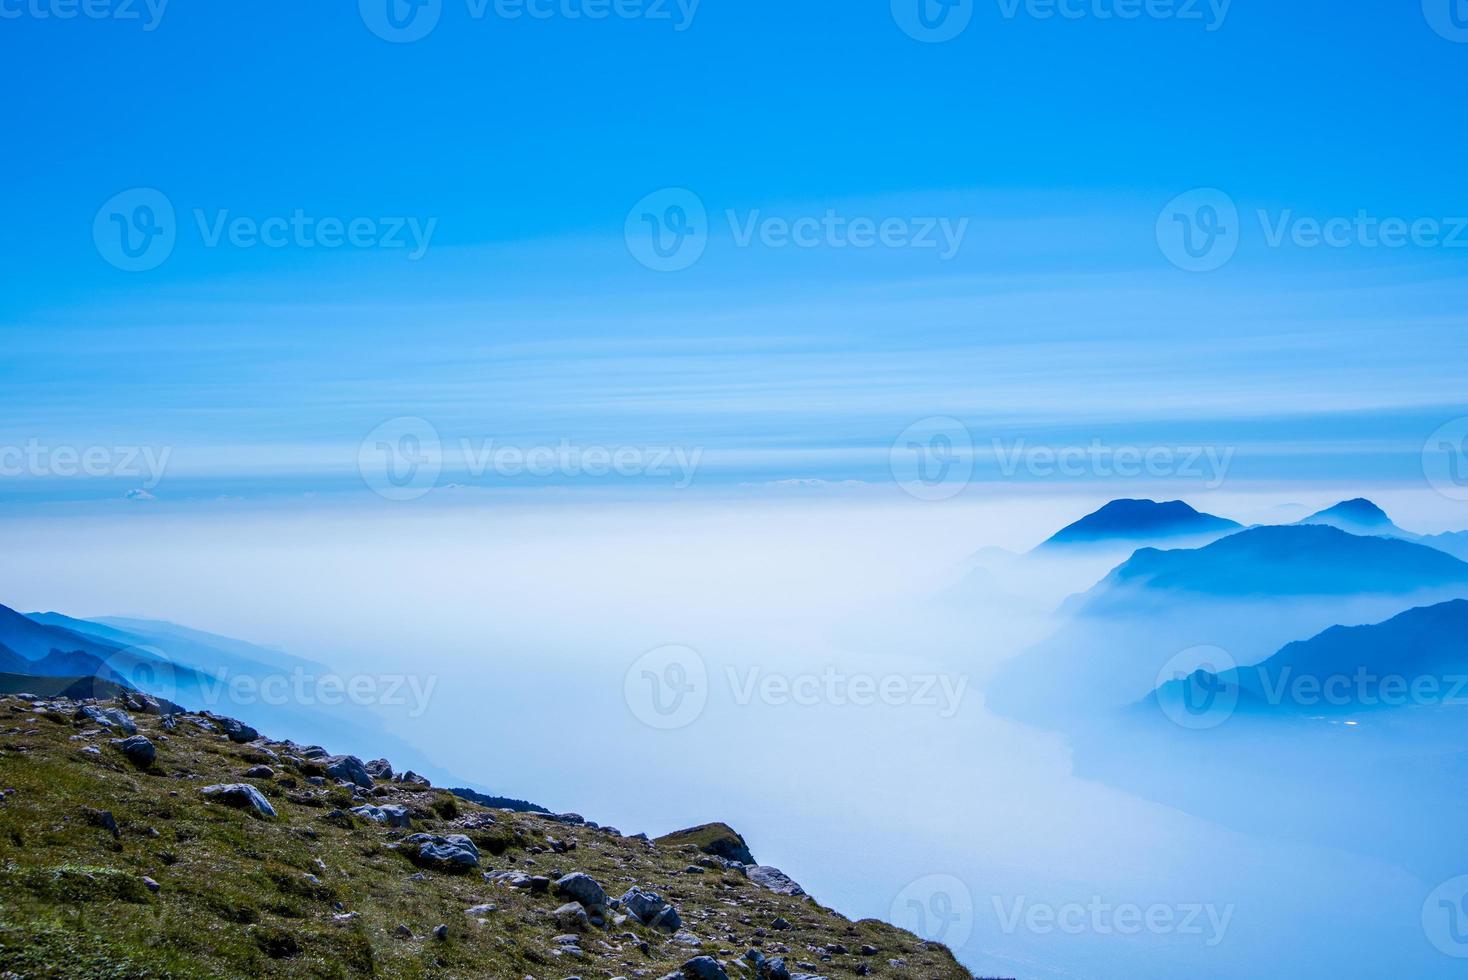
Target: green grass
[{"x": 235, "y": 900}]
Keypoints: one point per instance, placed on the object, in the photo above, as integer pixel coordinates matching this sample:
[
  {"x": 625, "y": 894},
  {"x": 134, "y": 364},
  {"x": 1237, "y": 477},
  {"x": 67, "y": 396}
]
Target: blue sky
[{"x": 1049, "y": 149}]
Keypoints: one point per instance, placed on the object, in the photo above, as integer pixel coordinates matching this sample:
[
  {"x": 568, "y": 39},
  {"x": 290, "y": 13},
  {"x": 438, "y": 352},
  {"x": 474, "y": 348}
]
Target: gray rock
[
  {"x": 141, "y": 703},
  {"x": 242, "y": 796},
  {"x": 392, "y": 815},
  {"x": 139, "y": 751},
  {"x": 108, "y": 718},
  {"x": 379, "y": 769},
  {"x": 259, "y": 772},
  {"x": 572, "y": 916},
  {"x": 582, "y": 888},
  {"x": 238, "y": 731},
  {"x": 704, "y": 968},
  {"x": 452, "y": 853},
  {"x": 650, "y": 909},
  {"x": 774, "y": 880},
  {"x": 349, "y": 769}
]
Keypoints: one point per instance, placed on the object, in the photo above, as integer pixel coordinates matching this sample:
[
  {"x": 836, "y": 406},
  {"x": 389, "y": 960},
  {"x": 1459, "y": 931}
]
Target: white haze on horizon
[{"x": 529, "y": 615}]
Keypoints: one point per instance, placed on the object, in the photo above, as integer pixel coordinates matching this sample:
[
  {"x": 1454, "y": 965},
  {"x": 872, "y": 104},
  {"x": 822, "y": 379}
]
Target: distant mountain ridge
[
  {"x": 1417, "y": 657},
  {"x": 1362, "y": 516},
  {"x": 1284, "y": 560},
  {"x": 1135, "y": 521},
  {"x": 195, "y": 669},
  {"x": 1249, "y": 593}
]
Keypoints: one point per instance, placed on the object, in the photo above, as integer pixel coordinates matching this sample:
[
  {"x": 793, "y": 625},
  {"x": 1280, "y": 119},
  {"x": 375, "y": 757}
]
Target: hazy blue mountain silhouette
[
  {"x": 34, "y": 641},
  {"x": 195, "y": 669},
  {"x": 1358, "y": 516},
  {"x": 12, "y": 662},
  {"x": 206, "y": 652},
  {"x": 1361, "y": 516},
  {"x": 1249, "y": 594},
  {"x": 1389, "y": 771},
  {"x": 53, "y": 651},
  {"x": 1287, "y": 560},
  {"x": 1138, "y": 521},
  {"x": 1334, "y": 668}
]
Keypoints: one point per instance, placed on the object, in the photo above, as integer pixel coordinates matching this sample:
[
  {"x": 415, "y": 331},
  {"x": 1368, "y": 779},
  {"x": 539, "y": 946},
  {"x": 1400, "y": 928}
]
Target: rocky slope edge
[{"x": 140, "y": 845}]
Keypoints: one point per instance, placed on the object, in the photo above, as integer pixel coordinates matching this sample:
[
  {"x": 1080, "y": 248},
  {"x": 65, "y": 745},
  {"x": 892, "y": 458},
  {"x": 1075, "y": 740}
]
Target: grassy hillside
[{"x": 109, "y": 868}]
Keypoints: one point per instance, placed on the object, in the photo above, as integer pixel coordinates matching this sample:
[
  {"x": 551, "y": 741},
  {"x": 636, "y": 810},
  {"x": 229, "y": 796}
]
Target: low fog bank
[{"x": 843, "y": 652}]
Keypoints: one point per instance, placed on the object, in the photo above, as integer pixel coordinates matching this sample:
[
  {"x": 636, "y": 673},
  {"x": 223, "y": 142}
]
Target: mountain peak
[
  {"x": 1358, "y": 513},
  {"x": 1140, "y": 520}
]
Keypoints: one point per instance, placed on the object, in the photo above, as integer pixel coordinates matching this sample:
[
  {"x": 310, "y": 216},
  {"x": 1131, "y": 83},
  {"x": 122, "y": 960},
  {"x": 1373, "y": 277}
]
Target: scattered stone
[
  {"x": 650, "y": 909},
  {"x": 392, "y": 815},
  {"x": 237, "y": 731},
  {"x": 142, "y": 703},
  {"x": 379, "y": 769},
  {"x": 441, "y": 932},
  {"x": 704, "y": 968},
  {"x": 455, "y": 853},
  {"x": 572, "y": 916},
  {"x": 107, "y": 718},
  {"x": 349, "y": 769},
  {"x": 774, "y": 880},
  {"x": 242, "y": 796},
  {"x": 260, "y": 772},
  {"x": 103, "y": 819},
  {"x": 582, "y": 888},
  {"x": 139, "y": 751}
]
